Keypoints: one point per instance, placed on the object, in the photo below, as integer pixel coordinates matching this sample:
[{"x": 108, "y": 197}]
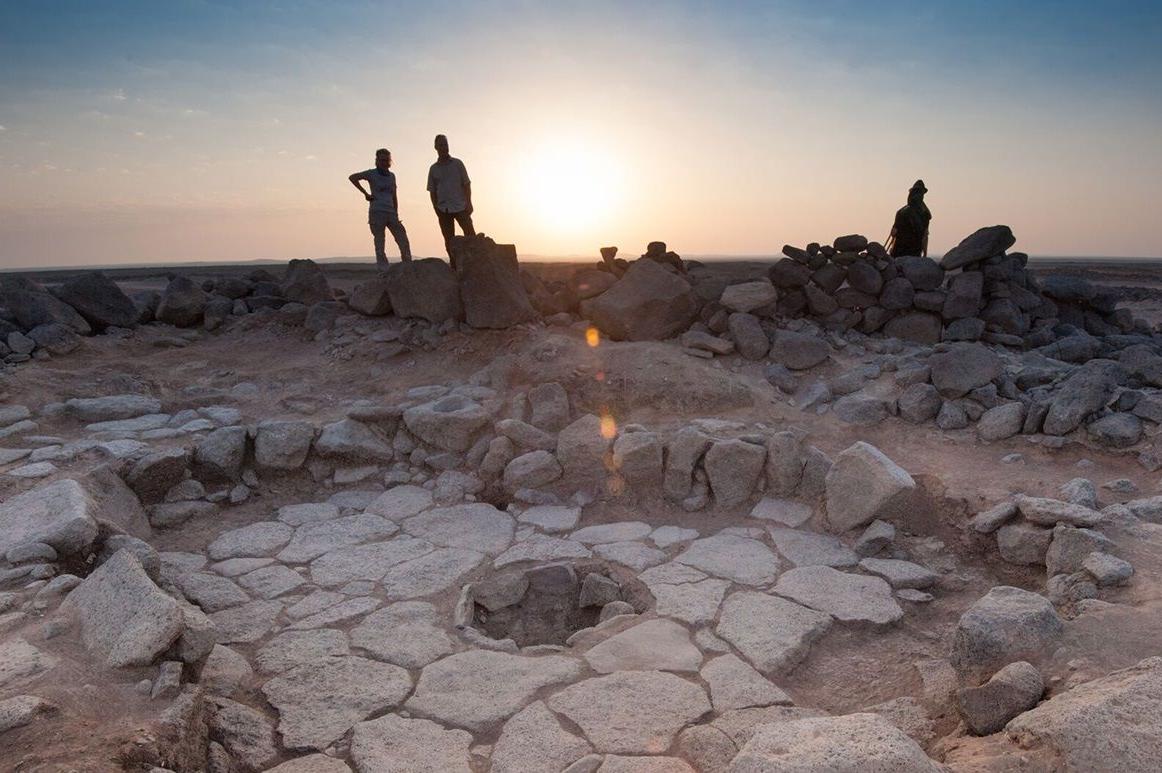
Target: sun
[{"x": 570, "y": 186}]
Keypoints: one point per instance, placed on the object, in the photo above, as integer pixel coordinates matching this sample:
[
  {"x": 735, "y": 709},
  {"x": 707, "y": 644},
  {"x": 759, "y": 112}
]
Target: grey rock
[
  {"x": 1117, "y": 430},
  {"x": 919, "y": 403},
  {"x": 847, "y": 597},
  {"x": 1107, "y": 570},
  {"x": 864, "y": 485},
  {"x": 219, "y": 455},
  {"x": 1001, "y": 422},
  {"x": 394, "y": 744},
  {"x": 804, "y": 548},
  {"x": 798, "y": 351},
  {"x": 774, "y": 634},
  {"x": 631, "y": 712},
  {"x": 980, "y": 245},
  {"x": 900, "y": 574},
  {"x": 733, "y": 468},
  {"x": 962, "y": 368},
  {"x": 1070, "y": 547},
  {"x": 125, "y": 619},
  {"x": 318, "y": 702},
  {"x": 748, "y": 335},
  {"x": 647, "y": 303},
  {"x": 875, "y": 538},
  {"x": 58, "y": 514},
  {"x": 860, "y": 410},
  {"x": 1005, "y": 625},
  {"x": 1023, "y": 543},
  {"x": 182, "y": 303},
  {"x": 283, "y": 445}
]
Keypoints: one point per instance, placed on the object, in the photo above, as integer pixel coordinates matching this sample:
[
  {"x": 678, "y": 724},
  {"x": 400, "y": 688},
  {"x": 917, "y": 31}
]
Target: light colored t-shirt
[
  {"x": 447, "y": 180},
  {"x": 382, "y": 186}
]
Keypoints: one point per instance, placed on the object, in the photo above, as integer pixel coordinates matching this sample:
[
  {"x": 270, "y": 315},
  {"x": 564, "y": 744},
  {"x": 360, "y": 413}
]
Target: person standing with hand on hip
[
  {"x": 451, "y": 192},
  {"x": 383, "y": 209}
]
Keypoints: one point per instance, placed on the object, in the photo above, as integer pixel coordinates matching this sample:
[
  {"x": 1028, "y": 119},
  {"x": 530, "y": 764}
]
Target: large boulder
[
  {"x": 1100, "y": 725},
  {"x": 58, "y": 514},
  {"x": 648, "y": 303},
  {"x": 962, "y": 368},
  {"x": 748, "y": 296},
  {"x": 99, "y": 300},
  {"x": 55, "y": 338},
  {"x": 980, "y": 245},
  {"x": 182, "y": 303},
  {"x": 306, "y": 283},
  {"x": 924, "y": 273},
  {"x": 965, "y": 293},
  {"x": 31, "y": 307},
  {"x": 490, "y": 284},
  {"x": 864, "y": 485},
  {"x": 371, "y": 297},
  {"x": 426, "y": 289},
  {"x": 1015, "y": 688},
  {"x": 1005, "y": 625},
  {"x": 125, "y": 618},
  {"x": 449, "y": 423}
]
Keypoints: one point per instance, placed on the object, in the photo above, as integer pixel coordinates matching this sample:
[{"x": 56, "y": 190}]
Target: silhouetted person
[
  {"x": 910, "y": 230},
  {"x": 451, "y": 192},
  {"x": 383, "y": 211}
]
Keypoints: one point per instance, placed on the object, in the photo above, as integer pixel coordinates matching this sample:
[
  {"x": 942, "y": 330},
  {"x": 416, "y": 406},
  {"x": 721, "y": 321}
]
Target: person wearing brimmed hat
[{"x": 910, "y": 230}]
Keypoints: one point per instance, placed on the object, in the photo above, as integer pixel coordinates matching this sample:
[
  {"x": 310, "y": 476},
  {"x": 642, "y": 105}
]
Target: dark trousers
[{"x": 448, "y": 222}]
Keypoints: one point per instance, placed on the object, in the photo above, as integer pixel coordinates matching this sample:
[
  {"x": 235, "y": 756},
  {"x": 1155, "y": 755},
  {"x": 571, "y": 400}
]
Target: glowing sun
[{"x": 570, "y": 186}]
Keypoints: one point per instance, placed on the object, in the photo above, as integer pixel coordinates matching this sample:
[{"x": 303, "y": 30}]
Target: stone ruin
[{"x": 432, "y": 580}]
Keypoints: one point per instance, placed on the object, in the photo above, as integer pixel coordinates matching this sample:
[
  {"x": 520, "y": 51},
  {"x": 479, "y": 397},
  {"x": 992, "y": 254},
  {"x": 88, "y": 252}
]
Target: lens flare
[
  {"x": 608, "y": 426},
  {"x": 592, "y": 336}
]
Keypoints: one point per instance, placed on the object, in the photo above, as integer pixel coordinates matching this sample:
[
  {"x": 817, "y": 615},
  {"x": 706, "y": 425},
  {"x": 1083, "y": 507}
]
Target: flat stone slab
[
  {"x": 20, "y": 660},
  {"x": 393, "y": 744},
  {"x": 611, "y": 532},
  {"x": 211, "y": 592},
  {"x": 319, "y": 702},
  {"x": 366, "y": 562},
  {"x": 541, "y": 548},
  {"x": 256, "y": 540},
  {"x": 57, "y": 514},
  {"x": 308, "y": 512},
  {"x": 615, "y": 763},
  {"x": 854, "y": 743},
  {"x": 847, "y": 597},
  {"x": 900, "y": 574},
  {"x": 408, "y": 634},
  {"x": 653, "y": 645},
  {"x": 694, "y": 603},
  {"x": 477, "y": 526},
  {"x": 343, "y": 612},
  {"x": 312, "y": 763},
  {"x": 805, "y": 548},
  {"x": 271, "y": 581},
  {"x": 432, "y": 573},
  {"x": 295, "y": 648},
  {"x": 125, "y": 618},
  {"x": 636, "y": 555},
  {"x": 664, "y": 536},
  {"x": 533, "y": 741},
  {"x": 246, "y": 623},
  {"x": 551, "y": 519},
  {"x": 739, "y": 559},
  {"x": 631, "y": 712},
  {"x": 401, "y": 502},
  {"x": 477, "y": 689},
  {"x": 785, "y": 511},
  {"x": 314, "y": 539},
  {"x": 735, "y": 685},
  {"x": 772, "y": 633}
]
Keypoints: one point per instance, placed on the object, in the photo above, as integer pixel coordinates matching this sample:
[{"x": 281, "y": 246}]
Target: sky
[{"x": 193, "y": 130}]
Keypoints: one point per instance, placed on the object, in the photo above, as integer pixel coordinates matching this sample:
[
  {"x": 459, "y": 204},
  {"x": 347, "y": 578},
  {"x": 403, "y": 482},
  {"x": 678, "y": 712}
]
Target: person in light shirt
[
  {"x": 451, "y": 193},
  {"x": 383, "y": 207}
]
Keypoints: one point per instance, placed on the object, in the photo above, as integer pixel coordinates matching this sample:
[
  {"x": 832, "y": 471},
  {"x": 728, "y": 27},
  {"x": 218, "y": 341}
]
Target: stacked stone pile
[{"x": 978, "y": 291}]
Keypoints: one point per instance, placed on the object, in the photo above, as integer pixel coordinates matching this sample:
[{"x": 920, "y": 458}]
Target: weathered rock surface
[
  {"x": 1098, "y": 725},
  {"x": 476, "y": 689},
  {"x": 393, "y": 744},
  {"x": 533, "y": 741},
  {"x": 426, "y": 289},
  {"x": 1015, "y": 688},
  {"x": 653, "y": 645},
  {"x": 631, "y": 712},
  {"x": 855, "y": 743},
  {"x": 56, "y": 514},
  {"x": 99, "y": 300},
  {"x": 647, "y": 303},
  {"x": 490, "y": 284},
  {"x": 125, "y": 618},
  {"x": 864, "y": 485},
  {"x": 1005, "y": 625},
  {"x": 847, "y": 597},
  {"x": 980, "y": 245},
  {"x": 772, "y": 633},
  {"x": 319, "y": 702}
]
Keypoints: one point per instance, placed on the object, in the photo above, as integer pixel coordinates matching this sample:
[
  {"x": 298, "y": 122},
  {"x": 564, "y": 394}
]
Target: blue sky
[{"x": 202, "y": 130}]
